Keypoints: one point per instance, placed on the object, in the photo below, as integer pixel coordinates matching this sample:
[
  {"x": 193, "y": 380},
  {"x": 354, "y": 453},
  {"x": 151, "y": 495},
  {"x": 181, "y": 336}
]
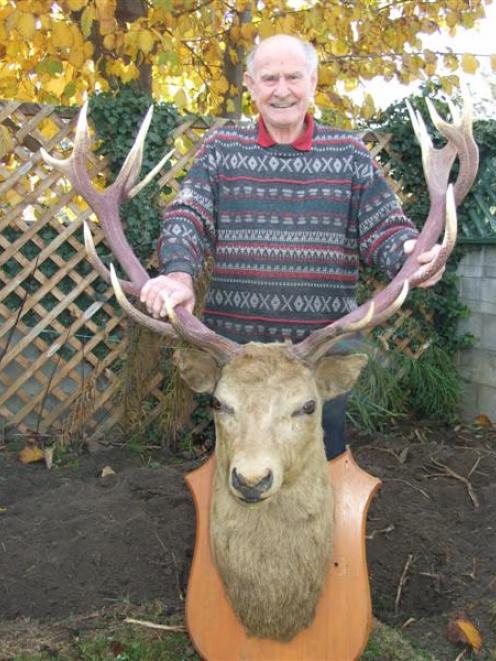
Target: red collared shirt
[{"x": 303, "y": 142}]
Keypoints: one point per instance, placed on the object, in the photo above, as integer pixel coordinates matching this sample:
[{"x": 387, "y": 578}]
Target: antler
[
  {"x": 437, "y": 165},
  {"x": 106, "y": 207}
]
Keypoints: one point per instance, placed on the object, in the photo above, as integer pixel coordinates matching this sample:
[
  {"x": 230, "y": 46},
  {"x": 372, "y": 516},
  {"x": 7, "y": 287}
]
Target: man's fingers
[{"x": 428, "y": 256}]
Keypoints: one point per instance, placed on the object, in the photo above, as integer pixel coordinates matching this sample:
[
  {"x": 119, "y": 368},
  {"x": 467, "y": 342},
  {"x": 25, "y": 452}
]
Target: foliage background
[{"x": 191, "y": 51}]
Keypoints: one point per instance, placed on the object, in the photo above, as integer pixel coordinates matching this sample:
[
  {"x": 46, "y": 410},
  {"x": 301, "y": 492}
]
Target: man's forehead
[{"x": 283, "y": 53}]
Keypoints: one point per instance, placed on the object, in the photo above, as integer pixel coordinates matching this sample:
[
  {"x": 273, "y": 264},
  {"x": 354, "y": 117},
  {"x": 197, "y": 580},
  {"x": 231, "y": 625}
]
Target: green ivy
[{"x": 116, "y": 118}]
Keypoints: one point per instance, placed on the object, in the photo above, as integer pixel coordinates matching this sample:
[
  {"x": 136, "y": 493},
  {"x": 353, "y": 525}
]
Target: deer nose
[{"x": 251, "y": 493}]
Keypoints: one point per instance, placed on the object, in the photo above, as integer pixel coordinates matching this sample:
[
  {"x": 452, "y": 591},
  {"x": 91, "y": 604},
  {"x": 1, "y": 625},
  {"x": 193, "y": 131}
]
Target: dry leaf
[
  {"x": 117, "y": 648},
  {"x": 48, "y": 456},
  {"x": 461, "y": 630},
  {"x": 30, "y": 454},
  {"x": 107, "y": 470},
  {"x": 483, "y": 420}
]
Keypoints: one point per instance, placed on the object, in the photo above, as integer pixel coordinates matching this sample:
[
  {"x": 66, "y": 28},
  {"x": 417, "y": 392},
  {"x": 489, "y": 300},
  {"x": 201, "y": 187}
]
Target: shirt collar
[{"x": 303, "y": 142}]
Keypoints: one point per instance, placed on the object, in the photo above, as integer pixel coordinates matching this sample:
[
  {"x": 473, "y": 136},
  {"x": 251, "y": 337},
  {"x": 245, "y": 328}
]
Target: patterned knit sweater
[{"x": 287, "y": 226}]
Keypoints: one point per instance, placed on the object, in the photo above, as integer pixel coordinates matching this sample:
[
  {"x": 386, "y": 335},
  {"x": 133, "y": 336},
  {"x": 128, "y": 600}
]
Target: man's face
[{"x": 281, "y": 84}]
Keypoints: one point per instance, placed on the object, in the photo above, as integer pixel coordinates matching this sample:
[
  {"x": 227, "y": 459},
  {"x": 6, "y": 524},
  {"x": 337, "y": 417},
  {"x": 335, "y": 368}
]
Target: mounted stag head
[{"x": 271, "y": 518}]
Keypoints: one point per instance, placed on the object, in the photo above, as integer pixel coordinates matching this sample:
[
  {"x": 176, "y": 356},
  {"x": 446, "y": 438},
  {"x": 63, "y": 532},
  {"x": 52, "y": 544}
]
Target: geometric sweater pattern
[{"x": 286, "y": 227}]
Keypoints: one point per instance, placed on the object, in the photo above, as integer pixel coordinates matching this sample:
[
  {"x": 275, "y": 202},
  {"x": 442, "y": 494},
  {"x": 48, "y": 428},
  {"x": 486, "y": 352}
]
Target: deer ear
[
  {"x": 336, "y": 375},
  {"x": 198, "y": 369}
]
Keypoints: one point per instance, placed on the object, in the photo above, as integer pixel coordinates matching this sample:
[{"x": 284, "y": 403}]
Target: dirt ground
[{"x": 73, "y": 542}]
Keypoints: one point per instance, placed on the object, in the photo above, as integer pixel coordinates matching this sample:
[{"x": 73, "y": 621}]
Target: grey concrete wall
[{"x": 477, "y": 366}]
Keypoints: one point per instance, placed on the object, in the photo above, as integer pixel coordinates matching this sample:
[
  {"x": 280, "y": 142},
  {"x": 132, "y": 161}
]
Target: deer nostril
[{"x": 251, "y": 491}]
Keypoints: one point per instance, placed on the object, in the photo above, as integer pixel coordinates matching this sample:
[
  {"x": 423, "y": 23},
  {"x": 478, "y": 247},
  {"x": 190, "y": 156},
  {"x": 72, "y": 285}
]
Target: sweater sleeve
[
  {"x": 382, "y": 226},
  {"x": 188, "y": 232}
]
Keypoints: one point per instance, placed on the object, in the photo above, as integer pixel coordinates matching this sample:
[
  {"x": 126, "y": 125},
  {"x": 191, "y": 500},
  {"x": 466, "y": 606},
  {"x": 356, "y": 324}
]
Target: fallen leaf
[
  {"x": 30, "y": 454},
  {"x": 107, "y": 470},
  {"x": 48, "y": 457},
  {"x": 117, "y": 648},
  {"x": 483, "y": 421},
  {"x": 461, "y": 630}
]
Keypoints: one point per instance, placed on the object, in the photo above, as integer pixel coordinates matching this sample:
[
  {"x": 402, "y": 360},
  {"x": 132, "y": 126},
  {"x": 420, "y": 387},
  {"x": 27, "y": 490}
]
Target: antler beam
[{"x": 437, "y": 164}]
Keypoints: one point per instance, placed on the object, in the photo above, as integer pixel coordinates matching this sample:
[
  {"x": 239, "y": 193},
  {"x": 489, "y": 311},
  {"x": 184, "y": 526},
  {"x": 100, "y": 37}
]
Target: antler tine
[
  {"x": 157, "y": 326},
  {"x": 459, "y": 133},
  {"x": 183, "y": 326},
  {"x": 73, "y": 167},
  {"x": 136, "y": 189},
  {"x": 100, "y": 267},
  {"x": 319, "y": 342},
  {"x": 132, "y": 165}
]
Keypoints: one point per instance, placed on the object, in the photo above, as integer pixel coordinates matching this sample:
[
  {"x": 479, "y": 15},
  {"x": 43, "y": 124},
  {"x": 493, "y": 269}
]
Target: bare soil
[{"x": 73, "y": 543}]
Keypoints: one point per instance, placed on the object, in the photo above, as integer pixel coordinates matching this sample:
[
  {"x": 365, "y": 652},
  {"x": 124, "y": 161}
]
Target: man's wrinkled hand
[
  {"x": 175, "y": 288},
  {"x": 424, "y": 259}
]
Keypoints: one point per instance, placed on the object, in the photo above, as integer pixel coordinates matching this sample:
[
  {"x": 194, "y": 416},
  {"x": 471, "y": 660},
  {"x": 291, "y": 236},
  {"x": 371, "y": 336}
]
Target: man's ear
[
  {"x": 248, "y": 82},
  {"x": 336, "y": 375},
  {"x": 198, "y": 369}
]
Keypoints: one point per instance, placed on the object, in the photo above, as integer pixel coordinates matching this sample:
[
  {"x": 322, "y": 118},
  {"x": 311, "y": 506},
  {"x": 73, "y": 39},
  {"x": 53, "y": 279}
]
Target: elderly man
[{"x": 287, "y": 207}]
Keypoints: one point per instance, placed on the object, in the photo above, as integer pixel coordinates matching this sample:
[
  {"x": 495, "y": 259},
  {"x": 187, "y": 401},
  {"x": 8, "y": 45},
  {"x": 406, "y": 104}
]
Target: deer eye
[
  {"x": 307, "y": 409},
  {"x": 217, "y": 405}
]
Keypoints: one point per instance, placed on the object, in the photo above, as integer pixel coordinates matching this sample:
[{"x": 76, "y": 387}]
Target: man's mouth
[{"x": 282, "y": 106}]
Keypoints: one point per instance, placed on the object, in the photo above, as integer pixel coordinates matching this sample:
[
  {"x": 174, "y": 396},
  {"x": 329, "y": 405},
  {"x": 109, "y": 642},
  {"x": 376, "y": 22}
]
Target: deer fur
[{"x": 272, "y": 555}]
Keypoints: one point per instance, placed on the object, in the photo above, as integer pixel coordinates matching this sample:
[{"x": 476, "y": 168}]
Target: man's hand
[
  {"x": 425, "y": 258},
  {"x": 176, "y": 287}
]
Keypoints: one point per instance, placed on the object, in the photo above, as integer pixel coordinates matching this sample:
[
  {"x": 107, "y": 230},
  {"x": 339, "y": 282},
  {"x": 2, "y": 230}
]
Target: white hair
[{"x": 309, "y": 51}]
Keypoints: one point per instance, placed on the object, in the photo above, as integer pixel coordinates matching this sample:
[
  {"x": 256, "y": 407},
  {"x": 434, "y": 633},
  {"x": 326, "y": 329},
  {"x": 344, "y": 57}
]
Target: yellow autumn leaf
[
  {"x": 109, "y": 41},
  {"x": 461, "y": 630},
  {"x": 145, "y": 41},
  {"x": 493, "y": 62},
  {"x": 87, "y": 18},
  {"x": 55, "y": 86},
  {"x": 105, "y": 9},
  {"x": 471, "y": 633},
  {"x": 48, "y": 128},
  {"x": 483, "y": 420},
  {"x": 76, "y": 57},
  {"x": 180, "y": 99},
  {"x": 76, "y": 5},
  {"x": 450, "y": 61},
  {"x": 30, "y": 454},
  {"x": 6, "y": 142},
  {"x": 88, "y": 49},
  {"x": 77, "y": 37},
  {"x": 339, "y": 47},
  {"x": 220, "y": 85},
  {"x": 469, "y": 63},
  {"x": 62, "y": 35},
  {"x": 129, "y": 72},
  {"x": 26, "y": 25}
]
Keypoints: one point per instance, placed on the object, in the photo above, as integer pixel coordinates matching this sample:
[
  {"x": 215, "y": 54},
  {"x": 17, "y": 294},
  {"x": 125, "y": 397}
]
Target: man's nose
[{"x": 282, "y": 88}]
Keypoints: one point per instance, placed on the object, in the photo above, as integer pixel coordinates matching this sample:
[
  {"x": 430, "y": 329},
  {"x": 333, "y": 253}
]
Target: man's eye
[{"x": 307, "y": 409}]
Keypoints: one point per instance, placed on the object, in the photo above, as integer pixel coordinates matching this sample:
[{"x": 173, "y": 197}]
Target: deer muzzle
[{"x": 248, "y": 490}]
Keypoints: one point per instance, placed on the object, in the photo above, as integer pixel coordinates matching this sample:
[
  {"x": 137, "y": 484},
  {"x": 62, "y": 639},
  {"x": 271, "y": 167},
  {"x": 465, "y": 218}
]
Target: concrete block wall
[{"x": 477, "y": 366}]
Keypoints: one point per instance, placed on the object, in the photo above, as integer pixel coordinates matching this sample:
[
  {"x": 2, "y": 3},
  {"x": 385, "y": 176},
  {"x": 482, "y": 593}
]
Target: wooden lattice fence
[{"x": 63, "y": 339}]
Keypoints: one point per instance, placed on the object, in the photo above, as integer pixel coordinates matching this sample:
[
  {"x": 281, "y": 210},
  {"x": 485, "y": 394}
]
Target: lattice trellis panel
[{"x": 63, "y": 340}]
